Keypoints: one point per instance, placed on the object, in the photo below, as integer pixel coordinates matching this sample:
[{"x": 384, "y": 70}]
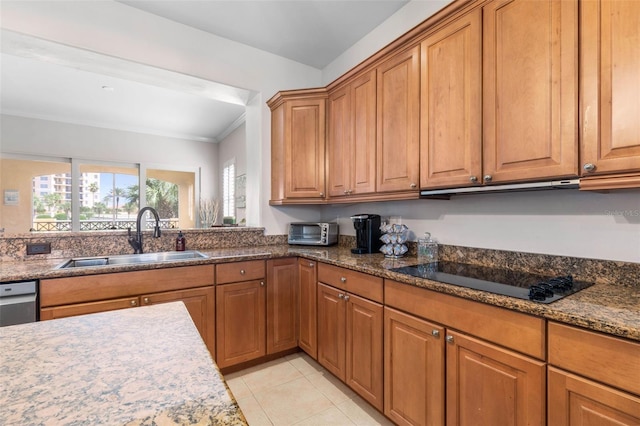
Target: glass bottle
[{"x": 427, "y": 249}]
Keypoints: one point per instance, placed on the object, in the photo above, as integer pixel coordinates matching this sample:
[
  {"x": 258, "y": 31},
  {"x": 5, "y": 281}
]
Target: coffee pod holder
[{"x": 394, "y": 237}]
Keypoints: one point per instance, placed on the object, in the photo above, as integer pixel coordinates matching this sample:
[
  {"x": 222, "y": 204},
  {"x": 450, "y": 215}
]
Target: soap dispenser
[{"x": 180, "y": 242}]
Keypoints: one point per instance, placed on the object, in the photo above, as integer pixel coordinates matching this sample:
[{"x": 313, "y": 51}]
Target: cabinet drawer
[
  {"x": 354, "y": 282},
  {"x": 520, "y": 332},
  {"x": 89, "y": 288},
  {"x": 240, "y": 271},
  {"x": 87, "y": 308},
  {"x": 608, "y": 359}
]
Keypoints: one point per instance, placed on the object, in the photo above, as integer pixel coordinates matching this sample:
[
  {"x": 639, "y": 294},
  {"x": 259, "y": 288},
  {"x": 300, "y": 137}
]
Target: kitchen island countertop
[{"x": 127, "y": 367}]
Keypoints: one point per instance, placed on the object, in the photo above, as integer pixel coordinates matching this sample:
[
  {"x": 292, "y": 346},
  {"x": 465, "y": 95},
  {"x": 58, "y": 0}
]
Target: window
[
  {"x": 62, "y": 194},
  {"x": 228, "y": 190}
]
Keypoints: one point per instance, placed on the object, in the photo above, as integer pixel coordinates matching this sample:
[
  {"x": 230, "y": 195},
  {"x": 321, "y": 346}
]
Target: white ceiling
[{"x": 313, "y": 32}]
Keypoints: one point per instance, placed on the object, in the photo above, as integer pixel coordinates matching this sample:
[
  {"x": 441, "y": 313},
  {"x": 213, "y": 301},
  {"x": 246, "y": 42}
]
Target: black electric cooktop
[{"x": 523, "y": 285}]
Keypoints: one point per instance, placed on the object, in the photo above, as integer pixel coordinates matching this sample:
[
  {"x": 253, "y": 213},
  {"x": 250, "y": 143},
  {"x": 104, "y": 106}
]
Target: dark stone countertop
[{"x": 608, "y": 308}]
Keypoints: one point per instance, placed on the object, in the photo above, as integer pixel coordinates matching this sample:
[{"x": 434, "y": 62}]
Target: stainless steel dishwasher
[{"x": 18, "y": 302}]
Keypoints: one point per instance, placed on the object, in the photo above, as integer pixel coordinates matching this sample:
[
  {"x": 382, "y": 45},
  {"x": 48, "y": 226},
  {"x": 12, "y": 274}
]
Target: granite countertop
[
  {"x": 142, "y": 366},
  {"x": 608, "y": 308}
]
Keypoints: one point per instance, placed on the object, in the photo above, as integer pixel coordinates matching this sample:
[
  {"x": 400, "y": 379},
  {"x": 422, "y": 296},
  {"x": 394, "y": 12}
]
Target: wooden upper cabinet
[
  {"x": 610, "y": 86},
  {"x": 398, "y": 122},
  {"x": 298, "y": 146},
  {"x": 339, "y": 142},
  {"x": 352, "y": 138},
  {"x": 530, "y": 97},
  {"x": 451, "y": 104}
]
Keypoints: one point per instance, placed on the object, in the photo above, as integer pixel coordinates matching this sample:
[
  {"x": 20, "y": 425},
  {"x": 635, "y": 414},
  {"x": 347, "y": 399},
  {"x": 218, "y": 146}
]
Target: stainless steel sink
[{"x": 165, "y": 256}]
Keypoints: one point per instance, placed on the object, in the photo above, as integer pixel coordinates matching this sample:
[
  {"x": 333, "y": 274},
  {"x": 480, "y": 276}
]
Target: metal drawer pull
[
  {"x": 340, "y": 296},
  {"x": 146, "y": 300},
  {"x": 435, "y": 333},
  {"x": 242, "y": 271},
  {"x": 449, "y": 339},
  {"x": 343, "y": 279},
  {"x": 346, "y": 297},
  {"x": 133, "y": 303}
]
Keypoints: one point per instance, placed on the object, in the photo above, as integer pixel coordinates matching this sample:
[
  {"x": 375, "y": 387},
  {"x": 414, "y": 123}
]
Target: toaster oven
[{"x": 313, "y": 233}]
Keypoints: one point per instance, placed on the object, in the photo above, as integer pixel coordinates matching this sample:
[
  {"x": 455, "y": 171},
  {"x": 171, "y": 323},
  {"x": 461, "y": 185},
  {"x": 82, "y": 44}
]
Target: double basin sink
[{"x": 125, "y": 259}]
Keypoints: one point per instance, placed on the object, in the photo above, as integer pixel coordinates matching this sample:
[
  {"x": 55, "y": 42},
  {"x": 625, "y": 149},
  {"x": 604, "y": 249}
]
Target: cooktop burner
[{"x": 523, "y": 285}]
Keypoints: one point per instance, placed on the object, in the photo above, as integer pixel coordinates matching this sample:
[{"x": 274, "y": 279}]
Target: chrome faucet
[{"x": 136, "y": 241}]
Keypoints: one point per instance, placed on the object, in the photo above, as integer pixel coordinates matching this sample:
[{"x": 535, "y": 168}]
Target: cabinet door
[
  {"x": 609, "y": 84},
  {"x": 362, "y": 159},
  {"x": 490, "y": 385},
  {"x": 398, "y": 122},
  {"x": 64, "y": 311},
  {"x": 530, "y": 99},
  {"x": 308, "y": 295},
  {"x": 339, "y": 142},
  {"x": 200, "y": 303},
  {"x": 414, "y": 357},
  {"x": 282, "y": 304},
  {"x": 304, "y": 148},
  {"x": 576, "y": 401},
  {"x": 451, "y": 104},
  {"x": 331, "y": 330},
  {"x": 364, "y": 367},
  {"x": 240, "y": 322}
]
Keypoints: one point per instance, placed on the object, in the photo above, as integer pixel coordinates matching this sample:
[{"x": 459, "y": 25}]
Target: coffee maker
[{"x": 367, "y": 233}]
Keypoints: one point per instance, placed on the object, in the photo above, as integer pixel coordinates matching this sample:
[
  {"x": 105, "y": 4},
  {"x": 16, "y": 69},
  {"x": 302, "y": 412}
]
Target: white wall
[{"x": 124, "y": 32}]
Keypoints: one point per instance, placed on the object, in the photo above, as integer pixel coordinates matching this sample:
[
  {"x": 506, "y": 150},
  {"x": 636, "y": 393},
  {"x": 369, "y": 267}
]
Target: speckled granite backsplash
[
  {"x": 73, "y": 244},
  {"x": 599, "y": 271}
]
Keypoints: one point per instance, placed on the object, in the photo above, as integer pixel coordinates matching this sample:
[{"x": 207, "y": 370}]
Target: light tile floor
[{"x": 296, "y": 390}]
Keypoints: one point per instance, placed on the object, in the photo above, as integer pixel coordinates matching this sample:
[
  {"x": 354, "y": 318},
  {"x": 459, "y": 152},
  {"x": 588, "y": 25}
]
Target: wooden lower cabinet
[
  {"x": 257, "y": 317},
  {"x": 307, "y": 307},
  {"x": 87, "y": 294},
  {"x": 332, "y": 330},
  {"x": 200, "y": 302},
  {"x": 282, "y": 304},
  {"x": 490, "y": 385},
  {"x": 414, "y": 358},
  {"x": 576, "y": 401},
  {"x": 350, "y": 343},
  {"x": 364, "y": 367},
  {"x": 65, "y": 311},
  {"x": 240, "y": 322}
]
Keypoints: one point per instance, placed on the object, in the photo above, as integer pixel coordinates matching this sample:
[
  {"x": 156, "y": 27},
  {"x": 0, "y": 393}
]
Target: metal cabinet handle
[
  {"x": 589, "y": 167},
  {"x": 488, "y": 178},
  {"x": 146, "y": 300},
  {"x": 346, "y": 297},
  {"x": 322, "y": 194},
  {"x": 435, "y": 333},
  {"x": 473, "y": 179},
  {"x": 449, "y": 339},
  {"x": 345, "y": 191},
  {"x": 413, "y": 185},
  {"x": 343, "y": 279},
  {"x": 261, "y": 283},
  {"x": 311, "y": 265},
  {"x": 242, "y": 271},
  {"x": 133, "y": 302},
  {"x": 340, "y": 296}
]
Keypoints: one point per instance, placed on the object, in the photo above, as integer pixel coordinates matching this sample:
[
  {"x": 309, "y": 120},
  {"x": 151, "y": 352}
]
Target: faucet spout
[{"x": 136, "y": 240}]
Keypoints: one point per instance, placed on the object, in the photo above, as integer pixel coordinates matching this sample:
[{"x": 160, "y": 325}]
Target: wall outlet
[{"x": 39, "y": 248}]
